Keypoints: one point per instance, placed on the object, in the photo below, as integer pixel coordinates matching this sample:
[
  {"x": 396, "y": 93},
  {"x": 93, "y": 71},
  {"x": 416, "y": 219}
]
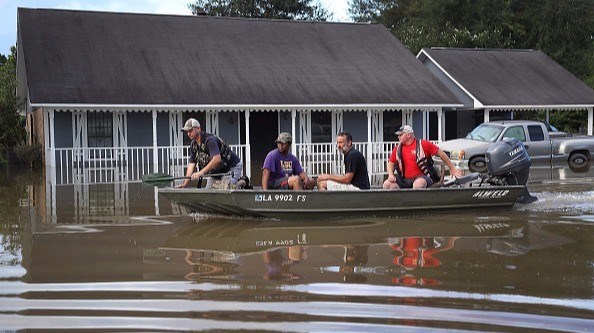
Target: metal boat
[
  {"x": 293, "y": 205},
  {"x": 508, "y": 165}
]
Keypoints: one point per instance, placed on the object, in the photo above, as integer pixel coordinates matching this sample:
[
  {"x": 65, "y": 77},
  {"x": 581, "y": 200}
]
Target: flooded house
[{"x": 107, "y": 93}]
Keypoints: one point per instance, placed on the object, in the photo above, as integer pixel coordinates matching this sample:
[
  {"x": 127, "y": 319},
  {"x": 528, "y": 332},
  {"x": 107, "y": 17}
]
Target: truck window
[
  {"x": 536, "y": 133},
  {"x": 515, "y": 132}
]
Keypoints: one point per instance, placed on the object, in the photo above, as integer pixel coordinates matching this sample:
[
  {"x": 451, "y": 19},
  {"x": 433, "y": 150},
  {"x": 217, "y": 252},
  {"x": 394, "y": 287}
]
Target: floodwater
[{"x": 117, "y": 257}]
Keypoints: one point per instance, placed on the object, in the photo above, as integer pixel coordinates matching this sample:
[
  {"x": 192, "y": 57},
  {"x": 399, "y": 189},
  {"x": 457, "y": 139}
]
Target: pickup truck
[{"x": 542, "y": 146}]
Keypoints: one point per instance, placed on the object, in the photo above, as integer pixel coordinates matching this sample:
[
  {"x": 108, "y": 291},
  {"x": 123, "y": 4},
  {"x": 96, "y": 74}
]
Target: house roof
[
  {"x": 82, "y": 57},
  {"x": 503, "y": 78}
]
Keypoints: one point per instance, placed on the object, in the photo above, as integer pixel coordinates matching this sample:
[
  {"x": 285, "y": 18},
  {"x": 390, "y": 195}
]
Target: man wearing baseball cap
[
  {"x": 410, "y": 165},
  {"x": 282, "y": 169},
  {"x": 211, "y": 154}
]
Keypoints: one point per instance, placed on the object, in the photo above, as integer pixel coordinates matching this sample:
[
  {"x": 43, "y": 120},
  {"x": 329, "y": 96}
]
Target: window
[
  {"x": 100, "y": 129},
  {"x": 515, "y": 132},
  {"x": 536, "y": 133},
  {"x": 321, "y": 127}
]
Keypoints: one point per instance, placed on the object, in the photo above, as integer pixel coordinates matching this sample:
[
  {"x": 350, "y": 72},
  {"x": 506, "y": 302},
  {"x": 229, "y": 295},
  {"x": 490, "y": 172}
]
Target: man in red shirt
[{"x": 408, "y": 166}]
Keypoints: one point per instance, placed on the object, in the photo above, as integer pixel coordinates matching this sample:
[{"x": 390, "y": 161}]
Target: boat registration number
[{"x": 281, "y": 197}]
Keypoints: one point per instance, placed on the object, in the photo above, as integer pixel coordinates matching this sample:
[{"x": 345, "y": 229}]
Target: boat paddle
[{"x": 160, "y": 178}]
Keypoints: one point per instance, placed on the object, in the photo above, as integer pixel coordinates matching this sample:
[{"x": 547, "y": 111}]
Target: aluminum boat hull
[{"x": 293, "y": 205}]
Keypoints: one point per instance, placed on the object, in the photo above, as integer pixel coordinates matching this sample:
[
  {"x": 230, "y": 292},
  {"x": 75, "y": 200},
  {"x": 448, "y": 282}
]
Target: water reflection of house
[{"x": 107, "y": 93}]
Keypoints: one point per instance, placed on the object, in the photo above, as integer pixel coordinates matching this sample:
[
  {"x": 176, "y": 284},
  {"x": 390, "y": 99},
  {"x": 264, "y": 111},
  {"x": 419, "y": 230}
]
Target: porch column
[
  {"x": 440, "y": 125},
  {"x": 425, "y": 125},
  {"x": 369, "y": 154},
  {"x": 49, "y": 137},
  {"x": 591, "y": 121},
  {"x": 547, "y": 116},
  {"x": 293, "y": 127},
  {"x": 155, "y": 153},
  {"x": 248, "y": 155},
  {"x": 486, "y": 115}
]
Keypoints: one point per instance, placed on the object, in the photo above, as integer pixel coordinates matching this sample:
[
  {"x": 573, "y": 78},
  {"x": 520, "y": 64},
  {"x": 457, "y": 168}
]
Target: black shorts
[
  {"x": 281, "y": 184},
  {"x": 408, "y": 182}
]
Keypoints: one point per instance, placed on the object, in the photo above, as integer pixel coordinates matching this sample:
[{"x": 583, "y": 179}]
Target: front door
[{"x": 263, "y": 133}]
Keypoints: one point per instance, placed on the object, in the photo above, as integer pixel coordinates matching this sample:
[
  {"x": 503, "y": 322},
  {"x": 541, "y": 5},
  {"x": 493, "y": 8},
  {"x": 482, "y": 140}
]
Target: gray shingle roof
[
  {"x": 512, "y": 77},
  {"x": 80, "y": 57}
]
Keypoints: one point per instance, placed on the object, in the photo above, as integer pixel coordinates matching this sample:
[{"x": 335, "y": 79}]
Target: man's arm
[
  {"x": 213, "y": 164},
  {"x": 189, "y": 171},
  {"x": 453, "y": 170},
  {"x": 390, "y": 167},
  {"x": 265, "y": 178},
  {"x": 343, "y": 179}
]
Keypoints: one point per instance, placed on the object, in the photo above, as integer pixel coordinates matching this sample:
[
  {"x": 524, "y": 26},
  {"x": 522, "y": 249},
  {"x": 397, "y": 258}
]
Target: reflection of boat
[
  {"x": 243, "y": 237},
  {"x": 335, "y": 204}
]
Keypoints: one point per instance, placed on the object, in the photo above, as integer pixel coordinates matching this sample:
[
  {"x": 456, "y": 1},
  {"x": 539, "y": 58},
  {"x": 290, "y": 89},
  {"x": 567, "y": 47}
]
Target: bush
[{"x": 29, "y": 155}]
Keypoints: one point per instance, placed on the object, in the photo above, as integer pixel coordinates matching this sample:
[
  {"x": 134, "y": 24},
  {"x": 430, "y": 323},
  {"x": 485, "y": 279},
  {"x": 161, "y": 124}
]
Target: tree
[
  {"x": 269, "y": 9},
  {"x": 564, "y": 30},
  {"x": 12, "y": 131}
]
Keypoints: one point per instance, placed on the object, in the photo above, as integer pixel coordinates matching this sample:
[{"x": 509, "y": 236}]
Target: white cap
[
  {"x": 190, "y": 123},
  {"x": 404, "y": 129}
]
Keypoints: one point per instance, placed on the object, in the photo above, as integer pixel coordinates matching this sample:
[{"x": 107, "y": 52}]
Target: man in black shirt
[
  {"x": 355, "y": 167},
  {"x": 211, "y": 154}
]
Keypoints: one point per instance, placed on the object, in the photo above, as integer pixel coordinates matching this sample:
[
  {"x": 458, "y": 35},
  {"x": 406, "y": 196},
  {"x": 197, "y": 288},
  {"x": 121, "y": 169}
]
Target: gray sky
[{"x": 8, "y": 11}]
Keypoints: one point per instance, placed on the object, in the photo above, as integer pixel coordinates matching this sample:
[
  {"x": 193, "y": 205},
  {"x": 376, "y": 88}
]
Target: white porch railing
[
  {"x": 319, "y": 158},
  {"x": 108, "y": 165}
]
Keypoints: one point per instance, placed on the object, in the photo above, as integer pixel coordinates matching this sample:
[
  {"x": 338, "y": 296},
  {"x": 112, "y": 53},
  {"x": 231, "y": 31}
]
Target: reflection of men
[
  {"x": 211, "y": 154},
  {"x": 410, "y": 164},
  {"x": 277, "y": 266},
  {"x": 282, "y": 169},
  {"x": 355, "y": 256},
  {"x": 355, "y": 167}
]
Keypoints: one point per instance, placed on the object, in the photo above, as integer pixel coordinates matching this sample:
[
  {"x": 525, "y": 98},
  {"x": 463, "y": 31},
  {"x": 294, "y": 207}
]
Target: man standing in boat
[
  {"x": 355, "y": 167},
  {"x": 410, "y": 164},
  {"x": 211, "y": 154},
  {"x": 282, "y": 169}
]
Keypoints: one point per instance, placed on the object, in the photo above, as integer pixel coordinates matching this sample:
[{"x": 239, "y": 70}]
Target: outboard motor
[{"x": 508, "y": 163}]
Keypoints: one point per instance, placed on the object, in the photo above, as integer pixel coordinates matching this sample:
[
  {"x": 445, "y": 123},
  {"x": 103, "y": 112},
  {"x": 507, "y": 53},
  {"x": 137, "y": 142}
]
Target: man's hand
[
  {"x": 391, "y": 178},
  {"x": 456, "y": 172},
  {"x": 323, "y": 177},
  {"x": 197, "y": 175}
]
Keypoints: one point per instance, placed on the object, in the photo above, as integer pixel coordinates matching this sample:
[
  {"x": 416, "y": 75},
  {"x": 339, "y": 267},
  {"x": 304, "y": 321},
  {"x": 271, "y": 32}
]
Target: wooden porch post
[
  {"x": 440, "y": 125},
  {"x": 248, "y": 156},
  {"x": 591, "y": 121},
  {"x": 369, "y": 154},
  {"x": 547, "y": 116},
  {"x": 293, "y": 127},
  {"x": 486, "y": 115},
  {"x": 155, "y": 153}
]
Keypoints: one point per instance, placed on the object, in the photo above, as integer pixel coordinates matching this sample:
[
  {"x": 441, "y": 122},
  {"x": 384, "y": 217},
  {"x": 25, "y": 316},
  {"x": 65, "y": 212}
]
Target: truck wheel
[
  {"x": 578, "y": 162},
  {"x": 477, "y": 164}
]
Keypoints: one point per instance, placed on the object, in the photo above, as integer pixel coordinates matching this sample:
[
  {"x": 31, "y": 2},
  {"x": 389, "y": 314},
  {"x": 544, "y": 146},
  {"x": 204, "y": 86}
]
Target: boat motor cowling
[
  {"x": 509, "y": 159},
  {"x": 508, "y": 163}
]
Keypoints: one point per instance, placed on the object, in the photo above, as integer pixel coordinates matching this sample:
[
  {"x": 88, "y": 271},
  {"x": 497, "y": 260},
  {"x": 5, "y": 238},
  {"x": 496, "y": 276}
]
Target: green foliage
[
  {"x": 29, "y": 155},
  {"x": 564, "y": 30},
  {"x": 269, "y": 9},
  {"x": 12, "y": 130}
]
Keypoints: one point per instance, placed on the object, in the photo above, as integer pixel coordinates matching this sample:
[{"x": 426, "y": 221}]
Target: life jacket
[
  {"x": 200, "y": 150},
  {"x": 425, "y": 163}
]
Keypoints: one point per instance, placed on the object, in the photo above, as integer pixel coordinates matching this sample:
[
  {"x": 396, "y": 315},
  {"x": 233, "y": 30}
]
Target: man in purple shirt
[{"x": 282, "y": 170}]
